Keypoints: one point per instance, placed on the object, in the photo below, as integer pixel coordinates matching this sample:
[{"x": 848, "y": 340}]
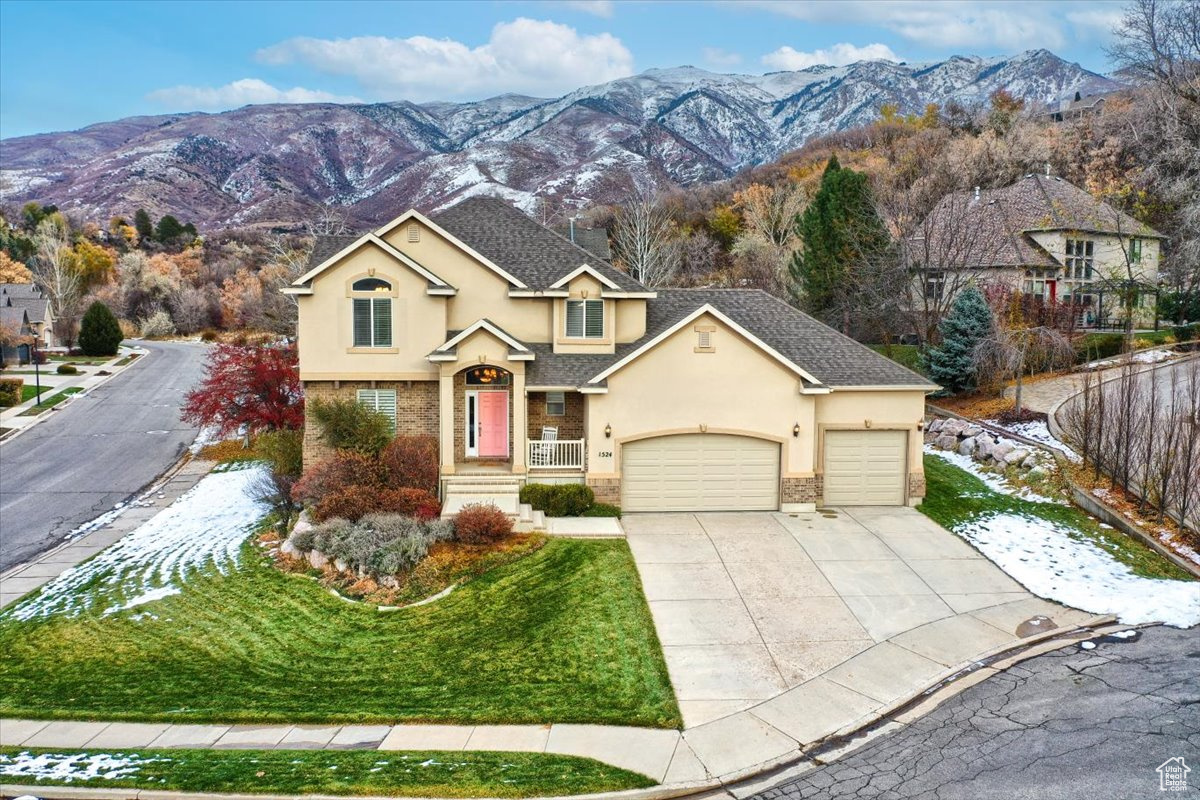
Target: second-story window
[
  {"x": 1135, "y": 250},
  {"x": 1079, "y": 258},
  {"x": 935, "y": 285},
  {"x": 372, "y": 315},
  {"x": 585, "y": 319}
]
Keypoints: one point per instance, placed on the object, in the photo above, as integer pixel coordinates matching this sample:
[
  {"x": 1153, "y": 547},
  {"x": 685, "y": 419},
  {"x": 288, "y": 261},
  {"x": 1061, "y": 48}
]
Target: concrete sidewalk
[{"x": 21, "y": 580}]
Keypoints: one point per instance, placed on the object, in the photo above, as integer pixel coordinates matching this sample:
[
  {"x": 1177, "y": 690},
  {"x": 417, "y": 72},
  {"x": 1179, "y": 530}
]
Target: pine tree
[
  {"x": 168, "y": 229},
  {"x": 952, "y": 364},
  {"x": 842, "y": 236},
  {"x": 99, "y": 333},
  {"x": 143, "y": 225}
]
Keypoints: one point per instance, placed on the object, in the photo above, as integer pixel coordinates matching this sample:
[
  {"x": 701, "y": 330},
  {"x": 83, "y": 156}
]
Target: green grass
[
  {"x": 563, "y": 635},
  {"x": 80, "y": 359},
  {"x": 51, "y": 401},
  {"x": 907, "y": 354},
  {"x": 955, "y": 497},
  {"x": 349, "y": 772},
  {"x": 127, "y": 360}
]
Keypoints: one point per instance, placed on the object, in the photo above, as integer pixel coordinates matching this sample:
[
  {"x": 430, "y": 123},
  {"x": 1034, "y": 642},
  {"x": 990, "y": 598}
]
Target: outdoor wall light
[
  {"x": 796, "y": 429},
  {"x": 608, "y": 431}
]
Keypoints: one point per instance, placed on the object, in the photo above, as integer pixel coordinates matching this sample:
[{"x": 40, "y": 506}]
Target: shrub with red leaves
[
  {"x": 480, "y": 523},
  {"x": 349, "y": 485},
  {"x": 412, "y": 461},
  {"x": 255, "y": 385}
]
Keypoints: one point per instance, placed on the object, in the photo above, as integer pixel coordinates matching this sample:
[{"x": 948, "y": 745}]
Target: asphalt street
[
  {"x": 1074, "y": 724},
  {"x": 100, "y": 449}
]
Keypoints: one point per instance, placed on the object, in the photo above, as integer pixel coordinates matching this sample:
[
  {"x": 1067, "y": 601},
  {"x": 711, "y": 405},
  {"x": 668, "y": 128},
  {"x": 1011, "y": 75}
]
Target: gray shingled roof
[
  {"x": 36, "y": 307},
  {"x": 835, "y": 360},
  {"x": 324, "y": 247},
  {"x": 20, "y": 289},
  {"x": 594, "y": 240},
  {"x": 534, "y": 254},
  {"x": 15, "y": 318}
]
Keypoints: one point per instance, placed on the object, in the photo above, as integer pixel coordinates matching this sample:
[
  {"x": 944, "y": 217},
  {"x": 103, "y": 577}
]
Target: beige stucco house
[
  {"x": 1046, "y": 238},
  {"x": 532, "y": 359},
  {"x": 29, "y": 297}
]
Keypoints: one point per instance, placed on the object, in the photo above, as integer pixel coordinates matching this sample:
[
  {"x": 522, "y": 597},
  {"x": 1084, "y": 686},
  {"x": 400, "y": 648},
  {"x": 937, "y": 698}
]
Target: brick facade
[
  {"x": 416, "y": 409},
  {"x": 607, "y": 490},
  {"x": 916, "y": 484},
  {"x": 802, "y": 490},
  {"x": 570, "y": 424}
]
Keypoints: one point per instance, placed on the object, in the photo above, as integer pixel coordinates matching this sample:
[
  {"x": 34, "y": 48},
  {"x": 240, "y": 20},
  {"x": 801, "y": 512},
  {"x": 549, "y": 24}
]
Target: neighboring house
[
  {"x": 1044, "y": 237},
  {"x": 1079, "y": 107},
  {"x": 15, "y": 333},
  {"x": 532, "y": 359},
  {"x": 29, "y": 297}
]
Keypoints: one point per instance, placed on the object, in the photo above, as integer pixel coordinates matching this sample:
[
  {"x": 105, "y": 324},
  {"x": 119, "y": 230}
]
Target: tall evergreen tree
[
  {"x": 952, "y": 363},
  {"x": 168, "y": 229},
  {"x": 843, "y": 238},
  {"x": 144, "y": 225},
  {"x": 99, "y": 333}
]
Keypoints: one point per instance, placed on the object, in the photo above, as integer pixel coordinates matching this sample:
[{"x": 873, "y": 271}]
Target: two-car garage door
[
  {"x": 700, "y": 472},
  {"x": 865, "y": 468}
]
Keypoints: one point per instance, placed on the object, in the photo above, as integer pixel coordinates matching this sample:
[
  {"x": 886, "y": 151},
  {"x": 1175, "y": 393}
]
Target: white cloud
[
  {"x": 599, "y": 8},
  {"x": 239, "y": 93},
  {"x": 836, "y": 56},
  {"x": 1103, "y": 20},
  {"x": 525, "y": 55},
  {"x": 973, "y": 24},
  {"x": 721, "y": 58}
]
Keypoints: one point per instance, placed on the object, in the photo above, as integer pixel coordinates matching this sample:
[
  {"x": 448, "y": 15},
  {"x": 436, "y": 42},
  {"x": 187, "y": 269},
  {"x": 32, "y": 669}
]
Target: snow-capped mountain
[{"x": 273, "y": 164}]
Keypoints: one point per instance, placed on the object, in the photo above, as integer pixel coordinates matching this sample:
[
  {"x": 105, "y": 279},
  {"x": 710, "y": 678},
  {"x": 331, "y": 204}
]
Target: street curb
[
  {"x": 45, "y": 415},
  {"x": 733, "y": 786}
]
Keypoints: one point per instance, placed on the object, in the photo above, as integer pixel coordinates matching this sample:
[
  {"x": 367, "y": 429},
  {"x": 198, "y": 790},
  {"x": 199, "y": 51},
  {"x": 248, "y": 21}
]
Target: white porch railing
[{"x": 557, "y": 454}]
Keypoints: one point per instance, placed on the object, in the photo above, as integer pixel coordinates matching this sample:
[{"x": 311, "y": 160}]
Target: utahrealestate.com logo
[{"x": 1172, "y": 775}]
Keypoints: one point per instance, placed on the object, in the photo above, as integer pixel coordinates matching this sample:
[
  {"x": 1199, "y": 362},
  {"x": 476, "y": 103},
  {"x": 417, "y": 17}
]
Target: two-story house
[
  {"x": 530, "y": 358},
  {"x": 29, "y": 296},
  {"x": 1046, "y": 238}
]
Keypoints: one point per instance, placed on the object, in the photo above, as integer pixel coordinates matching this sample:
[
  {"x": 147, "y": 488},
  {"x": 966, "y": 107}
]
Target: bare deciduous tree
[
  {"x": 56, "y": 271},
  {"x": 645, "y": 241},
  {"x": 1009, "y": 352}
]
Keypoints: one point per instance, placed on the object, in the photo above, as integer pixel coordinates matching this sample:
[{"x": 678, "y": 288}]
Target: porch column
[
  {"x": 446, "y": 420},
  {"x": 520, "y": 421}
]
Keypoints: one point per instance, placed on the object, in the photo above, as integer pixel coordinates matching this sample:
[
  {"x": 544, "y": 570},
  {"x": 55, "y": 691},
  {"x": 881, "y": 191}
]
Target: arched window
[
  {"x": 372, "y": 315},
  {"x": 371, "y": 285}
]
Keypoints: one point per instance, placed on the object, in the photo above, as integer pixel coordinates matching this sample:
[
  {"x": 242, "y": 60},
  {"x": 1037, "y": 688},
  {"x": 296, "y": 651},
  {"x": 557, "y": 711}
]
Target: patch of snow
[
  {"x": 68, "y": 767},
  {"x": 1038, "y": 431},
  {"x": 993, "y": 480},
  {"x": 207, "y": 435},
  {"x": 1123, "y": 635},
  {"x": 1044, "y": 558},
  {"x": 1088, "y": 645},
  {"x": 204, "y": 527},
  {"x": 1143, "y": 357}
]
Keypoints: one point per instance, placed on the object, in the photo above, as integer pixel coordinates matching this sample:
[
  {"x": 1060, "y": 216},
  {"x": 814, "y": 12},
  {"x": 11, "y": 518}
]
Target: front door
[{"x": 487, "y": 421}]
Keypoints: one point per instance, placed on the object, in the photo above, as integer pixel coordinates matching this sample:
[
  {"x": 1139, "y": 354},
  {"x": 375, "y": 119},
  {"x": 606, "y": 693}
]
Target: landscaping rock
[
  {"x": 289, "y": 549},
  {"x": 340, "y": 565},
  {"x": 1016, "y": 456},
  {"x": 1030, "y": 461},
  {"x": 946, "y": 442},
  {"x": 1037, "y": 474},
  {"x": 317, "y": 559},
  {"x": 953, "y": 427},
  {"x": 967, "y": 447},
  {"x": 936, "y": 425},
  {"x": 972, "y": 430},
  {"x": 983, "y": 447},
  {"x": 1001, "y": 450}
]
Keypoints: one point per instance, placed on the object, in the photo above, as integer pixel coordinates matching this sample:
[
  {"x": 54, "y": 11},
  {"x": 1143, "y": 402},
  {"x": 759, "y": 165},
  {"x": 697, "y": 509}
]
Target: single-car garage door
[
  {"x": 865, "y": 468},
  {"x": 700, "y": 472}
]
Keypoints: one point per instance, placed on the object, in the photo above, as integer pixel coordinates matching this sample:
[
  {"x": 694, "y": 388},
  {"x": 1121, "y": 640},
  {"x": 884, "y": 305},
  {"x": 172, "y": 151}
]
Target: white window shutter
[
  {"x": 594, "y": 325},
  {"x": 575, "y": 317}
]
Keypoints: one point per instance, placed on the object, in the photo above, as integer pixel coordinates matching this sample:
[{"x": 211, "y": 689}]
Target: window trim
[
  {"x": 1079, "y": 258},
  {"x": 561, "y": 402},
  {"x": 374, "y": 316},
  {"x": 585, "y": 318}
]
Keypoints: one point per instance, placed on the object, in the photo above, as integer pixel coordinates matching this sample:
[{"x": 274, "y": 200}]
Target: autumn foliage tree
[{"x": 251, "y": 385}]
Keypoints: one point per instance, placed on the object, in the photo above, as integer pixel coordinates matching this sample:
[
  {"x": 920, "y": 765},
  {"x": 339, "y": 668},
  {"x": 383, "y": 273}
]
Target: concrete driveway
[{"x": 749, "y": 605}]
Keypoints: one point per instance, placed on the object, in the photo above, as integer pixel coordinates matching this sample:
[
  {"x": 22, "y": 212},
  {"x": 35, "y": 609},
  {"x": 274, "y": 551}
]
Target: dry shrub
[
  {"x": 228, "y": 450},
  {"x": 412, "y": 461},
  {"x": 480, "y": 523}
]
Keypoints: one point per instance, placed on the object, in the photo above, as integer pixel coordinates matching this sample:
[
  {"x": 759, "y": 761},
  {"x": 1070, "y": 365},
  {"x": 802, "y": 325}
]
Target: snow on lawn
[
  {"x": 205, "y": 526},
  {"x": 1045, "y": 559},
  {"x": 1038, "y": 431},
  {"x": 1143, "y": 357},
  {"x": 992, "y": 479},
  {"x": 69, "y": 767}
]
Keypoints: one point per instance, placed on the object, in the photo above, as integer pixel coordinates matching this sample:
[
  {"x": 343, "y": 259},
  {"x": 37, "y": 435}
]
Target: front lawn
[
  {"x": 907, "y": 354},
  {"x": 563, "y": 635},
  {"x": 49, "y": 402},
  {"x": 338, "y": 772}
]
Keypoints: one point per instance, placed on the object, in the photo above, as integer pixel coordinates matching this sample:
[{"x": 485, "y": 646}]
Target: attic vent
[
  {"x": 414, "y": 232},
  {"x": 704, "y": 339}
]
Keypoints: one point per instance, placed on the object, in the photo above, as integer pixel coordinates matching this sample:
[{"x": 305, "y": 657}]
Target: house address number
[{"x": 605, "y": 454}]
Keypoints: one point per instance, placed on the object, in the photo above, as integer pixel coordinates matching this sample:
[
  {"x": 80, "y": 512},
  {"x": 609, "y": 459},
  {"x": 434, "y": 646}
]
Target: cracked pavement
[
  {"x": 1073, "y": 724},
  {"x": 96, "y": 451}
]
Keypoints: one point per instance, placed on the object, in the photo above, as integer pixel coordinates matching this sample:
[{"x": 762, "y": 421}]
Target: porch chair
[{"x": 543, "y": 454}]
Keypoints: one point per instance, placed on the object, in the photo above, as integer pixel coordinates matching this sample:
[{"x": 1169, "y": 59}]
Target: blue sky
[{"x": 64, "y": 65}]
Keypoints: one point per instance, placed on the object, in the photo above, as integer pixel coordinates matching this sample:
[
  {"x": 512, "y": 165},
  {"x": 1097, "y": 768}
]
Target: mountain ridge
[{"x": 274, "y": 165}]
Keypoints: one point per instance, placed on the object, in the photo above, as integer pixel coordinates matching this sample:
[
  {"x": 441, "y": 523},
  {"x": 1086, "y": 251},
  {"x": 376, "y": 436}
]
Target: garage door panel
[
  {"x": 865, "y": 467},
  {"x": 700, "y": 472}
]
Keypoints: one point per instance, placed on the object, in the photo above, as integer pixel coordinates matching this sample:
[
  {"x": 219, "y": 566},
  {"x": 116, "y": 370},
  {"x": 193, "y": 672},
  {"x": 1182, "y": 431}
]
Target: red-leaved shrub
[
  {"x": 339, "y": 471},
  {"x": 481, "y": 523},
  {"x": 411, "y": 503},
  {"x": 412, "y": 462}
]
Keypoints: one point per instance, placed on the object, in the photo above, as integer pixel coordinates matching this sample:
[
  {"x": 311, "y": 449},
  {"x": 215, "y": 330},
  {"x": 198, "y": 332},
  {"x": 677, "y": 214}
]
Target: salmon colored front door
[{"x": 493, "y": 424}]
